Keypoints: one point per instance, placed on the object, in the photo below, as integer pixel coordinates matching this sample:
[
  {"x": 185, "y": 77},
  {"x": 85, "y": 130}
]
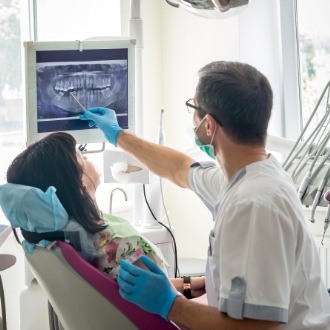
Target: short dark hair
[
  {"x": 239, "y": 97},
  {"x": 52, "y": 161}
]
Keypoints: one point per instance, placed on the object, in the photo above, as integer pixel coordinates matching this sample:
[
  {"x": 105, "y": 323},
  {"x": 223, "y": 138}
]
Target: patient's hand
[
  {"x": 140, "y": 264},
  {"x": 197, "y": 285}
]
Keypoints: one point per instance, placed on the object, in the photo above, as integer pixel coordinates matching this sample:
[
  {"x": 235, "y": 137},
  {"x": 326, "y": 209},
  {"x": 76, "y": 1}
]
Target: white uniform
[{"x": 263, "y": 263}]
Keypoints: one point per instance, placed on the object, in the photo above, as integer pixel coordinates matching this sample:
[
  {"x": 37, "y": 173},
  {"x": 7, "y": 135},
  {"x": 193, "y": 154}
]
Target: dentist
[{"x": 263, "y": 269}]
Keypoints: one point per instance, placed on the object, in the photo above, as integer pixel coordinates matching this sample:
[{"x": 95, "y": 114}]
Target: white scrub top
[{"x": 263, "y": 262}]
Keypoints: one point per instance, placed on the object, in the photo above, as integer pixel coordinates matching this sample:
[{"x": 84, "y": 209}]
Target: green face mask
[{"x": 207, "y": 148}]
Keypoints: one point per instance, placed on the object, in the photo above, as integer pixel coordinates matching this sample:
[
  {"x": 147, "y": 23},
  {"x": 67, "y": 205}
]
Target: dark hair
[
  {"x": 52, "y": 161},
  {"x": 239, "y": 97}
]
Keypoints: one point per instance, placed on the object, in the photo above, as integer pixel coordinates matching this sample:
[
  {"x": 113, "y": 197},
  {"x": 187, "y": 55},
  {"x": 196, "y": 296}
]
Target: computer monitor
[{"x": 62, "y": 78}]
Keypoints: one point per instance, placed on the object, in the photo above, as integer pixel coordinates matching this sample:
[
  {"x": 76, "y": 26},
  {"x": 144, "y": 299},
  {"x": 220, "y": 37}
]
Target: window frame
[{"x": 290, "y": 69}]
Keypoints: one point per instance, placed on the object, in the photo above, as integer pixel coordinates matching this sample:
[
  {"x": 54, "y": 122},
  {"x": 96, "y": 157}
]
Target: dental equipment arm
[
  {"x": 304, "y": 185},
  {"x": 327, "y": 217},
  {"x": 321, "y": 185},
  {"x": 290, "y": 158},
  {"x": 318, "y": 194},
  {"x": 310, "y": 175},
  {"x": 163, "y": 161}
]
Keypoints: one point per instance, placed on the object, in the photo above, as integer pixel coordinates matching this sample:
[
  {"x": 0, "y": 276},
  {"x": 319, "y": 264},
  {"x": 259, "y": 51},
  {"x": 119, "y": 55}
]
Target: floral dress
[{"x": 119, "y": 241}]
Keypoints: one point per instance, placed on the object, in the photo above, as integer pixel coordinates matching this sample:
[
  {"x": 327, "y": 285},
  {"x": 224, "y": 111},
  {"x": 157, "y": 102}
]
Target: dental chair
[{"x": 83, "y": 298}]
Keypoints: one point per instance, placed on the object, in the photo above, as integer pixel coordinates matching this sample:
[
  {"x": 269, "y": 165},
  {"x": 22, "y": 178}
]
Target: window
[
  {"x": 313, "y": 27},
  {"x": 11, "y": 94},
  {"x": 77, "y": 20},
  {"x": 54, "y": 20}
]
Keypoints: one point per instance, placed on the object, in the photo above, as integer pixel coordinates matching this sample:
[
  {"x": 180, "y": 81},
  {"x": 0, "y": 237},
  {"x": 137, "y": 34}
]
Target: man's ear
[{"x": 210, "y": 125}]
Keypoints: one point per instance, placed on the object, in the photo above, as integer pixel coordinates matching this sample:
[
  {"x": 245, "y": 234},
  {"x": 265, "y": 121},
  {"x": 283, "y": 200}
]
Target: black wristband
[{"x": 187, "y": 287}]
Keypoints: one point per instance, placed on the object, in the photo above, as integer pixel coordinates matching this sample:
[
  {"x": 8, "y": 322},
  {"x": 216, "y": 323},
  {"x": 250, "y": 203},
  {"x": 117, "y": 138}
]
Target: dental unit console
[
  {"x": 63, "y": 78},
  {"x": 308, "y": 163}
]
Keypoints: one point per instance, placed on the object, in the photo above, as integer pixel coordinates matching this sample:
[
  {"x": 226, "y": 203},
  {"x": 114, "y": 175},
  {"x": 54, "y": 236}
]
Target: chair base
[{"x": 3, "y": 321}]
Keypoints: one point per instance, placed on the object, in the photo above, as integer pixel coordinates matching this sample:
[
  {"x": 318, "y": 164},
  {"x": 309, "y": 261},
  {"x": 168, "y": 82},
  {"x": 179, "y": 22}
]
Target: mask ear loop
[
  {"x": 195, "y": 129},
  {"x": 213, "y": 135}
]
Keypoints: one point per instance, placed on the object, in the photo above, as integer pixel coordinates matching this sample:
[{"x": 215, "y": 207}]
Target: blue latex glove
[
  {"x": 151, "y": 290},
  {"x": 106, "y": 120}
]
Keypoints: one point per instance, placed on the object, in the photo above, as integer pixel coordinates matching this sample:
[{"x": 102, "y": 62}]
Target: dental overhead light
[{"x": 211, "y": 8}]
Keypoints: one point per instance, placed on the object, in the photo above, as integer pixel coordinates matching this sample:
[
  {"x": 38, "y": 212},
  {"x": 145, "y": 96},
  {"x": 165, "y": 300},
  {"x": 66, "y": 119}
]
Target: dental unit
[{"x": 308, "y": 163}]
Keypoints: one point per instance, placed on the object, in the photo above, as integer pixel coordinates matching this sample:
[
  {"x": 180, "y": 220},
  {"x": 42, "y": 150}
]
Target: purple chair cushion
[{"x": 110, "y": 290}]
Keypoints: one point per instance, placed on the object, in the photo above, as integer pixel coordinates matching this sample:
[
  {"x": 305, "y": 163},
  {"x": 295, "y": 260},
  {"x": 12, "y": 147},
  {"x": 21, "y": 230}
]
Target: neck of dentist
[{"x": 232, "y": 157}]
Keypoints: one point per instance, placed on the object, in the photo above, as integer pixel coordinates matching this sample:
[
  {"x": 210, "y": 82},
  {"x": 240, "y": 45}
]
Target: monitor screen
[{"x": 64, "y": 78}]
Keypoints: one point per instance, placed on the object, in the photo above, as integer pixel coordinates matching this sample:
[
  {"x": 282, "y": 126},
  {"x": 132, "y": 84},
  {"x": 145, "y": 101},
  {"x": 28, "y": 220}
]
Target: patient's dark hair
[{"x": 52, "y": 161}]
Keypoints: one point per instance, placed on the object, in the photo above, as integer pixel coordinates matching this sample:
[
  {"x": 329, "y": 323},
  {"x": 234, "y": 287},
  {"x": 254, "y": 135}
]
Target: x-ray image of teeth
[{"x": 94, "y": 85}]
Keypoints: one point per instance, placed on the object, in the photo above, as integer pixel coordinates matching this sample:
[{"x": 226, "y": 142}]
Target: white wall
[{"x": 176, "y": 45}]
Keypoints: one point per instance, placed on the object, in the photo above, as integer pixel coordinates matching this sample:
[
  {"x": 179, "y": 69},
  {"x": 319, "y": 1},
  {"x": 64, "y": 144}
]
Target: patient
[{"x": 54, "y": 161}]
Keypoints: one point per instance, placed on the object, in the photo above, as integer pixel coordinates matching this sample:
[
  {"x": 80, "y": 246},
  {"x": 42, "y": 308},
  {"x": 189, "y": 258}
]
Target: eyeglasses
[{"x": 191, "y": 107}]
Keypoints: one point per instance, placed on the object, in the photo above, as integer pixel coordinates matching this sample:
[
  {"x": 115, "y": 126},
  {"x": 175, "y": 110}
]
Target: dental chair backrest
[{"x": 84, "y": 298}]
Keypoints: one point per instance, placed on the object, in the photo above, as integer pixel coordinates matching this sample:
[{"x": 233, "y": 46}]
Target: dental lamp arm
[{"x": 175, "y": 5}]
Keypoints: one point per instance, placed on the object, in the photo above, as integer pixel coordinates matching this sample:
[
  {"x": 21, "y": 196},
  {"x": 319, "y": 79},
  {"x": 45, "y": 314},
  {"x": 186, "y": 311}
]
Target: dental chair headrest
[
  {"x": 42, "y": 217},
  {"x": 32, "y": 209}
]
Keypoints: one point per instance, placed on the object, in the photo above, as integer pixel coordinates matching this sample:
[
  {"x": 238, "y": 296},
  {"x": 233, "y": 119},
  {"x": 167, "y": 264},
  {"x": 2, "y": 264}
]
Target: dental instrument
[
  {"x": 318, "y": 194},
  {"x": 310, "y": 174},
  {"x": 153, "y": 196},
  {"x": 77, "y": 101},
  {"x": 161, "y": 133},
  {"x": 308, "y": 163},
  {"x": 82, "y": 147},
  {"x": 327, "y": 217},
  {"x": 309, "y": 148}
]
